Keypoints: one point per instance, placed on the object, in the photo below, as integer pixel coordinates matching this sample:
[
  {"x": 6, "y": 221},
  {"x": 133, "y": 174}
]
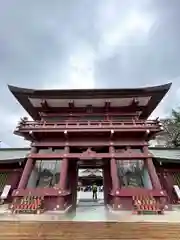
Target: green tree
[{"x": 172, "y": 129}]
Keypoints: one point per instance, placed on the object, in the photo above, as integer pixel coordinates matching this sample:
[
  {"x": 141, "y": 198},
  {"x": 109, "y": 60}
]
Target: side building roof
[
  {"x": 145, "y": 100},
  {"x": 165, "y": 154},
  {"x": 8, "y": 155}
]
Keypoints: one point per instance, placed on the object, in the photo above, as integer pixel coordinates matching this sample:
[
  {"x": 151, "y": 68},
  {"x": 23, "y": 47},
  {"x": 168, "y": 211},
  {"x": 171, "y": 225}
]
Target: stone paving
[
  {"x": 92, "y": 213},
  {"x": 88, "y": 195},
  {"x": 87, "y": 210}
]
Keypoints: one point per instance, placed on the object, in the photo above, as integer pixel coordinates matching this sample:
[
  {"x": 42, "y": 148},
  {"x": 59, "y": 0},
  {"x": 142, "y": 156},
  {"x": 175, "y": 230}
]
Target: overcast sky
[{"x": 86, "y": 44}]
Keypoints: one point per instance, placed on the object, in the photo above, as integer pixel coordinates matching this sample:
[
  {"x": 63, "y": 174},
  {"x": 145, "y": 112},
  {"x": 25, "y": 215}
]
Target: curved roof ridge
[{"x": 17, "y": 89}]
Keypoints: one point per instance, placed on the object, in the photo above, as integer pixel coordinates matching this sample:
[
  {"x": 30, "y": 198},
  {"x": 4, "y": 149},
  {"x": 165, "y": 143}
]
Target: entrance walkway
[
  {"x": 92, "y": 213},
  {"x": 88, "y": 210},
  {"x": 88, "y": 195}
]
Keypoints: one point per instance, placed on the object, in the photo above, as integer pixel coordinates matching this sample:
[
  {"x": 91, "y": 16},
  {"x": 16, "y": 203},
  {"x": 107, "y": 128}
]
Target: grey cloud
[
  {"x": 153, "y": 62},
  {"x": 38, "y": 37}
]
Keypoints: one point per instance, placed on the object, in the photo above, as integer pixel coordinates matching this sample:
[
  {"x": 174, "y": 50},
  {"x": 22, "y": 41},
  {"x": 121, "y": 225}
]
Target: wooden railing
[{"x": 88, "y": 124}]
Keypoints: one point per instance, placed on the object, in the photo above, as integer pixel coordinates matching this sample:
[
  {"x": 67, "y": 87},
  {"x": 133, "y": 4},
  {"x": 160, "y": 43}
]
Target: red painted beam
[
  {"x": 88, "y": 143},
  {"x": 89, "y": 126},
  {"x": 80, "y": 111},
  {"x": 93, "y": 122},
  {"x": 39, "y": 192},
  {"x": 129, "y": 192},
  {"x": 122, "y": 156},
  {"x": 89, "y": 130},
  {"x": 11, "y": 170}
]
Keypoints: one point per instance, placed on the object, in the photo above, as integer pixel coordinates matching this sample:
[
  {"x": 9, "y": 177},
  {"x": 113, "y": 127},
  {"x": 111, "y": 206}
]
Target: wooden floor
[{"x": 88, "y": 231}]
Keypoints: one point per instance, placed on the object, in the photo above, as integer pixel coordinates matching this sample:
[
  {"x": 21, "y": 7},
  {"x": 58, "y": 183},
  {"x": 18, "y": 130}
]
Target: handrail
[
  {"x": 93, "y": 121},
  {"x": 71, "y": 124}
]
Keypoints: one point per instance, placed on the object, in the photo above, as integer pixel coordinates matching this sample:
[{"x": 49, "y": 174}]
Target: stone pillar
[
  {"x": 64, "y": 171},
  {"x": 152, "y": 171},
  {"x": 114, "y": 171},
  {"x": 27, "y": 170}
]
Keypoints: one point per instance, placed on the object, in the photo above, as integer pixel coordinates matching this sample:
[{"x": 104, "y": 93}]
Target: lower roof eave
[
  {"x": 12, "y": 160},
  {"x": 167, "y": 160}
]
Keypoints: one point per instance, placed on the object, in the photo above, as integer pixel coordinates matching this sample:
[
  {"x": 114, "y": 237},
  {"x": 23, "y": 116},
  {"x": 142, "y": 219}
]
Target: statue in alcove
[{"x": 45, "y": 179}]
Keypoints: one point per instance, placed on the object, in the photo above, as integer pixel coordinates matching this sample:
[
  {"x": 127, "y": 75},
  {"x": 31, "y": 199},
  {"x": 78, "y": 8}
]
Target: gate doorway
[
  {"x": 87, "y": 178},
  {"x": 82, "y": 175}
]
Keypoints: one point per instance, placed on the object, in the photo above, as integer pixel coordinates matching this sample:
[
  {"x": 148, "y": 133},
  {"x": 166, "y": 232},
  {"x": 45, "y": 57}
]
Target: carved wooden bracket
[{"x": 88, "y": 154}]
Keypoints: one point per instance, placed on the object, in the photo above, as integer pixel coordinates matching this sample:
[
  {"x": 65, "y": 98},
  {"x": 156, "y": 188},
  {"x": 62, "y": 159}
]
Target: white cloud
[
  {"x": 123, "y": 29},
  {"x": 78, "y": 72}
]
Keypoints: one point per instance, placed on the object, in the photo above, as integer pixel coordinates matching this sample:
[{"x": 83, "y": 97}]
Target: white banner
[
  {"x": 5, "y": 191},
  {"x": 177, "y": 190}
]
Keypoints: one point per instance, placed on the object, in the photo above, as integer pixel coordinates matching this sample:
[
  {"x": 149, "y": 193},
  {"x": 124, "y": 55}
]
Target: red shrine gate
[{"x": 89, "y": 128}]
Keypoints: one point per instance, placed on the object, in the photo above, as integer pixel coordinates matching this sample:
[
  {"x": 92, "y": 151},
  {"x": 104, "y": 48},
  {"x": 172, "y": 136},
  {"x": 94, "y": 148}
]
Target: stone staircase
[{"x": 88, "y": 231}]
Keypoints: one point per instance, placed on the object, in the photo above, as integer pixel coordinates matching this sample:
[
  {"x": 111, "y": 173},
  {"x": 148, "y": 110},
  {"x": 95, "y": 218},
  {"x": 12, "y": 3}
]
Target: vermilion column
[
  {"x": 152, "y": 171},
  {"x": 114, "y": 171},
  {"x": 74, "y": 181},
  {"x": 106, "y": 182},
  {"x": 105, "y": 186},
  {"x": 27, "y": 170},
  {"x": 64, "y": 172}
]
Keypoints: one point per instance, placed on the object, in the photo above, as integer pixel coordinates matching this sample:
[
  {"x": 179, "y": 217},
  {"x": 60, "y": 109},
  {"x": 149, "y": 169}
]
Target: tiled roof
[
  {"x": 21, "y": 153},
  {"x": 166, "y": 153},
  {"x": 13, "y": 153}
]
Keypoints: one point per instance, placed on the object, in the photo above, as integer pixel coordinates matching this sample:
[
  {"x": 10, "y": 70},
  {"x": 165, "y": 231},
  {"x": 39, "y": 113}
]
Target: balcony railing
[{"x": 30, "y": 125}]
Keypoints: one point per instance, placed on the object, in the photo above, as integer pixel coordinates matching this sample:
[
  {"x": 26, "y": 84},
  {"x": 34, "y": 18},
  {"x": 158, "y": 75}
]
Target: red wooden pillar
[
  {"x": 105, "y": 187},
  {"x": 152, "y": 171},
  {"x": 114, "y": 171},
  {"x": 64, "y": 172},
  {"x": 107, "y": 184},
  {"x": 27, "y": 170},
  {"x": 74, "y": 182},
  {"x": 115, "y": 178},
  {"x": 168, "y": 185},
  {"x": 63, "y": 180}
]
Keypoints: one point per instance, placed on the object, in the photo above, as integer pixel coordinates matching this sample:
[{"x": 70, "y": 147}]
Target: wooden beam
[
  {"x": 87, "y": 143},
  {"x": 40, "y": 192},
  {"x": 79, "y": 114},
  {"x": 87, "y": 129},
  {"x": 128, "y": 110},
  {"x": 118, "y": 156}
]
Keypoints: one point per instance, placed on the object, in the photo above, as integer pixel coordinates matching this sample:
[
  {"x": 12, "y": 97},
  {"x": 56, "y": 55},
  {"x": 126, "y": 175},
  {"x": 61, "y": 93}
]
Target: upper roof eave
[
  {"x": 23, "y": 95},
  {"x": 85, "y": 93}
]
